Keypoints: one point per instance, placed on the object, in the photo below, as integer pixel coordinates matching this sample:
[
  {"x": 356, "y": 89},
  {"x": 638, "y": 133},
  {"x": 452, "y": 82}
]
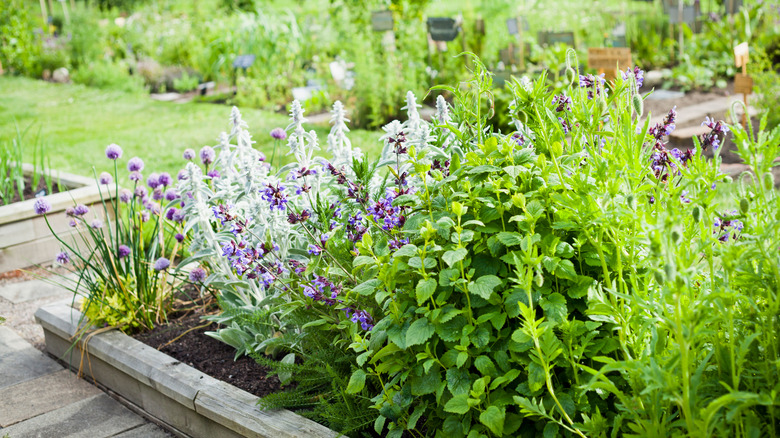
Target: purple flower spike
[
  {"x": 113, "y": 151},
  {"x": 123, "y": 251},
  {"x": 62, "y": 258},
  {"x": 105, "y": 178},
  {"x": 278, "y": 134},
  {"x": 41, "y": 206},
  {"x": 207, "y": 155},
  {"x": 161, "y": 264},
  {"x": 189, "y": 154},
  {"x": 135, "y": 164},
  {"x": 197, "y": 275}
]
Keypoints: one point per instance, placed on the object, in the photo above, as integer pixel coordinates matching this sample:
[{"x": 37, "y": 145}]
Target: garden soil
[
  {"x": 29, "y": 192},
  {"x": 209, "y": 355}
]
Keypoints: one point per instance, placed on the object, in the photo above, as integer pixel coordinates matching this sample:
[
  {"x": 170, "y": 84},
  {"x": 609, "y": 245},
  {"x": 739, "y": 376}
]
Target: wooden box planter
[
  {"x": 188, "y": 401},
  {"x": 25, "y": 240}
]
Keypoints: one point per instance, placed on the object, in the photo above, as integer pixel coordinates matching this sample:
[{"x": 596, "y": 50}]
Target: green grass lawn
[{"x": 76, "y": 123}]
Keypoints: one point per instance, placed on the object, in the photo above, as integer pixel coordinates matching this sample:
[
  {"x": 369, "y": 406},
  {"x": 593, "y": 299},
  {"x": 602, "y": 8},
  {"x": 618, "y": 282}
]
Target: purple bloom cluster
[
  {"x": 638, "y": 74},
  {"x": 113, "y": 151},
  {"x": 713, "y": 138},
  {"x": 275, "y": 197},
  {"x": 278, "y": 134},
  {"x": 385, "y": 214},
  {"x": 41, "y": 206},
  {"x": 361, "y": 316},
  {"x": 727, "y": 228},
  {"x": 125, "y": 195},
  {"x": 595, "y": 84},
  {"x": 63, "y": 258},
  {"x": 443, "y": 167},
  {"x": 123, "y": 251},
  {"x": 135, "y": 164},
  {"x": 562, "y": 102},
  {"x": 323, "y": 290},
  {"x": 295, "y": 218},
  {"x": 189, "y": 154},
  {"x": 105, "y": 178},
  {"x": 207, "y": 155},
  {"x": 162, "y": 264},
  {"x": 198, "y": 275}
]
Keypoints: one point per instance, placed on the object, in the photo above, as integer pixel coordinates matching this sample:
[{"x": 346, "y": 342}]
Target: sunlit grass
[{"x": 76, "y": 123}]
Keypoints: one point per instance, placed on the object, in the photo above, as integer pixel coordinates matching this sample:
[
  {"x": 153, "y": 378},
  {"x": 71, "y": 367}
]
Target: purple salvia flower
[
  {"x": 135, "y": 164},
  {"x": 113, "y": 151},
  {"x": 161, "y": 264},
  {"x": 315, "y": 250},
  {"x": 41, "y": 206},
  {"x": 207, "y": 155}
]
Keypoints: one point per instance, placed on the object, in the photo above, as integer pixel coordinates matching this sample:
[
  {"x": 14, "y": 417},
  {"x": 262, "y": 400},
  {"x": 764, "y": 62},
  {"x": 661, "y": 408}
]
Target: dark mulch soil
[
  {"x": 29, "y": 191},
  {"x": 207, "y": 354}
]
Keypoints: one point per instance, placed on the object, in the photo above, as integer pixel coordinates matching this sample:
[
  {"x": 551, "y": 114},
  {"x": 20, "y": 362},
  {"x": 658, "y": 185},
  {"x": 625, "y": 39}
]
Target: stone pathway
[{"x": 38, "y": 396}]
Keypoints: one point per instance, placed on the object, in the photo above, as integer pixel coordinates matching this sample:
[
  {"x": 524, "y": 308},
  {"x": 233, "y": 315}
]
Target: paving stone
[
  {"x": 19, "y": 363},
  {"x": 99, "y": 416},
  {"x": 44, "y": 394},
  {"x": 31, "y": 290},
  {"x": 146, "y": 431}
]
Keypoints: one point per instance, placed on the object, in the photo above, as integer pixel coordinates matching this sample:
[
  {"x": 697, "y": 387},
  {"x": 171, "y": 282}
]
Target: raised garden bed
[
  {"x": 25, "y": 240},
  {"x": 187, "y": 400}
]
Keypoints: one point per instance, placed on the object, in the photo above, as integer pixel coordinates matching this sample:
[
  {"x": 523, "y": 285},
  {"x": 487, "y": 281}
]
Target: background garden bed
[
  {"x": 185, "y": 399},
  {"x": 25, "y": 240}
]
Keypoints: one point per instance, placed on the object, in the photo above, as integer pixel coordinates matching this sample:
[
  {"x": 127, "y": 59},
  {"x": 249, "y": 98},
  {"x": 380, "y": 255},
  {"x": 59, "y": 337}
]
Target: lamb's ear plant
[{"x": 121, "y": 252}]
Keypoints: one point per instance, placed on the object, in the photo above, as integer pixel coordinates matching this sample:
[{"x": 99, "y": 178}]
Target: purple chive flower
[
  {"x": 72, "y": 223},
  {"x": 171, "y": 195},
  {"x": 141, "y": 192},
  {"x": 213, "y": 174},
  {"x": 178, "y": 216},
  {"x": 278, "y": 134},
  {"x": 135, "y": 176},
  {"x": 135, "y": 164},
  {"x": 113, "y": 151},
  {"x": 157, "y": 194},
  {"x": 153, "y": 181},
  {"x": 197, "y": 275},
  {"x": 96, "y": 224},
  {"x": 80, "y": 210},
  {"x": 207, "y": 155},
  {"x": 62, "y": 258},
  {"x": 169, "y": 214},
  {"x": 182, "y": 175},
  {"x": 41, "y": 206},
  {"x": 145, "y": 216},
  {"x": 161, "y": 264},
  {"x": 179, "y": 237},
  {"x": 105, "y": 178},
  {"x": 189, "y": 154},
  {"x": 123, "y": 251},
  {"x": 125, "y": 195},
  {"x": 164, "y": 179}
]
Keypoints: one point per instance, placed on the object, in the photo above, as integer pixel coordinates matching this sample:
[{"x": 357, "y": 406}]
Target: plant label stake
[
  {"x": 516, "y": 26},
  {"x": 242, "y": 62},
  {"x": 382, "y": 21},
  {"x": 609, "y": 60},
  {"x": 743, "y": 83}
]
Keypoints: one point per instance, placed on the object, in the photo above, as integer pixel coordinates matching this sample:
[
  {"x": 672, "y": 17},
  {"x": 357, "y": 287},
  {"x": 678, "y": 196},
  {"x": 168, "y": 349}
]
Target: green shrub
[
  {"x": 19, "y": 47},
  {"x": 105, "y": 74}
]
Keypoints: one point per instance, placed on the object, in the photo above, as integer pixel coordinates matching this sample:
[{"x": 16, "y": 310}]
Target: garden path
[{"x": 38, "y": 396}]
